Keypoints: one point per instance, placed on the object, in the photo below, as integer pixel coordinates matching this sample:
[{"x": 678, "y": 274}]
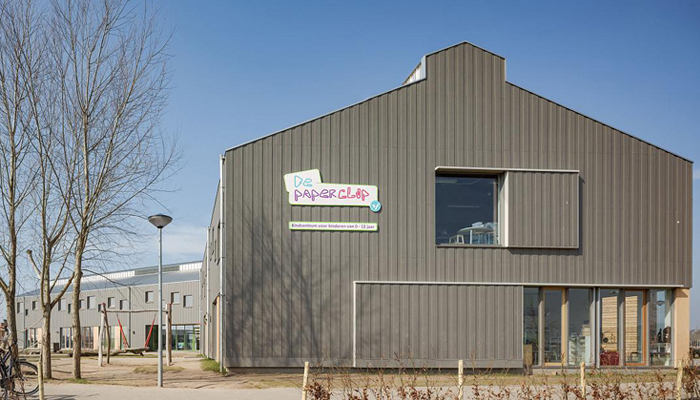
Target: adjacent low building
[
  {"x": 135, "y": 289},
  {"x": 458, "y": 216}
]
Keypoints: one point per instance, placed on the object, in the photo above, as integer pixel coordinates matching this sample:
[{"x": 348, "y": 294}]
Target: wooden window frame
[
  {"x": 645, "y": 328},
  {"x": 564, "y": 327}
]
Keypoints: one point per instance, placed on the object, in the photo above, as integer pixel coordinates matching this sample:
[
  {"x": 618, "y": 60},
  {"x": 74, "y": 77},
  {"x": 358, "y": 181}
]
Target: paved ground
[
  {"x": 186, "y": 373},
  {"x": 71, "y": 391}
]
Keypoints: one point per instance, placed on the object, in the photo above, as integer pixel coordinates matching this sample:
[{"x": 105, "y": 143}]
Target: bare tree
[
  {"x": 114, "y": 91},
  {"x": 17, "y": 173},
  {"x": 55, "y": 165}
]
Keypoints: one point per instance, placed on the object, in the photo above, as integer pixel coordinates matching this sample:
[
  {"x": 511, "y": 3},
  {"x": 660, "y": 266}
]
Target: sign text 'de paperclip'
[{"x": 306, "y": 188}]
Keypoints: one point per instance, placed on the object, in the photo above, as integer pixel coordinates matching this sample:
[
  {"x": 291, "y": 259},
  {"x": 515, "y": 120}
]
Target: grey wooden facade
[
  {"x": 131, "y": 286},
  {"x": 609, "y": 209}
]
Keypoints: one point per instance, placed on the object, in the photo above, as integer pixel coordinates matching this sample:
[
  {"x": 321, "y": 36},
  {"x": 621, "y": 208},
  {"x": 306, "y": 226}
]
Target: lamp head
[{"x": 160, "y": 220}]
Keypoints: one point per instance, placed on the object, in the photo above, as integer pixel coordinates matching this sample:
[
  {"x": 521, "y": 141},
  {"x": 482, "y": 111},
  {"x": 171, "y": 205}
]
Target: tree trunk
[
  {"x": 11, "y": 318},
  {"x": 77, "y": 337},
  {"x": 46, "y": 343}
]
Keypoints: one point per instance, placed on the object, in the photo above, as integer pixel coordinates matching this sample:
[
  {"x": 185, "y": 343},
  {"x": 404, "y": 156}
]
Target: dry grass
[{"x": 413, "y": 383}]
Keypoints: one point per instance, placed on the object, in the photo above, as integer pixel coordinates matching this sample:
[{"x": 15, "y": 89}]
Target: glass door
[
  {"x": 609, "y": 324},
  {"x": 554, "y": 328},
  {"x": 531, "y": 324},
  {"x": 580, "y": 337},
  {"x": 635, "y": 324},
  {"x": 660, "y": 327}
]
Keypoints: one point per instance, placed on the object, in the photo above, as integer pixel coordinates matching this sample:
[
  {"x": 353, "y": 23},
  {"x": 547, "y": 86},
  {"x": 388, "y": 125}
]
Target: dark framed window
[
  {"x": 175, "y": 297},
  {"x": 111, "y": 302},
  {"x": 123, "y": 305},
  {"x": 91, "y": 302},
  {"x": 149, "y": 297},
  {"x": 187, "y": 300},
  {"x": 466, "y": 209}
]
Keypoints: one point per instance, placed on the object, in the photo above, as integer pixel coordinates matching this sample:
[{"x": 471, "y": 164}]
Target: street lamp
[{"x": 160, "y": 221}]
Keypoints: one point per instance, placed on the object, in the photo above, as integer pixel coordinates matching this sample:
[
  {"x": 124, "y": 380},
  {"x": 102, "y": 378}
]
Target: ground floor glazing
[{"x": 598, "y": 326}]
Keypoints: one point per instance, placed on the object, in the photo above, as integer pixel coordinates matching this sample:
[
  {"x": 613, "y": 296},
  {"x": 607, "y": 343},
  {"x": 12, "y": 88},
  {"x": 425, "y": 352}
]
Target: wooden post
[
  {"x": 109, "y": 334},
  {"x": 306, "y": 380},
  {"x": 41, "y": 371},
  {"x": 679, "y": 382},
  {"x": 583, "y": 379},
  {"x": 460, "y": 380},
  {"x": 169, "y": 334},
  {"x": 101, "y": 339}
]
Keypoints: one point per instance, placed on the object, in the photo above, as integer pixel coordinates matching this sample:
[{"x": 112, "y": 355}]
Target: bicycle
[{"x": 18, "y": 377}]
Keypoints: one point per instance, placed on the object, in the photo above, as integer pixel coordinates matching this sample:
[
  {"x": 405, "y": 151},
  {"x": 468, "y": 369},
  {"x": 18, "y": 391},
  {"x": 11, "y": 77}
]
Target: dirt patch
[
  {"x": 152, "y": 369},
  {"x": 186, "y": 372}
]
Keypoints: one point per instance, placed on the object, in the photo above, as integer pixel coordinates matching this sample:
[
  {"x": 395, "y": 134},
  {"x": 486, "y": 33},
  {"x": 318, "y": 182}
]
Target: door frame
[
  {"x": 644, "y": 333},
  {"x": 564, "y": 327}
]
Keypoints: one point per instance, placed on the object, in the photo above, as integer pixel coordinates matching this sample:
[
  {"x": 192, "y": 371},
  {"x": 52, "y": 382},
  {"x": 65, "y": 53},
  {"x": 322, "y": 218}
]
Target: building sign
[
  {"x": 306, "y": 189},
  {"x": 333, "y": 226}
]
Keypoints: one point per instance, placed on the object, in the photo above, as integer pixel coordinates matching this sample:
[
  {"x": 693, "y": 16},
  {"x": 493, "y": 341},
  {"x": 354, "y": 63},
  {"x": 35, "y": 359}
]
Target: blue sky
[{"x": 246, "y": 69}]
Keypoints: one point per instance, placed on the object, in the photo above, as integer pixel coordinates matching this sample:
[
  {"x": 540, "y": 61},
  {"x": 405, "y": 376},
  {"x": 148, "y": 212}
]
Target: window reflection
[
  {"x": 552, "y": 325},
  {"x": 466, "y": 209},
  {"x": 634, "y": 327},
  {"x": 579, "y": 327},
  {"x": 531, "y": 322},
  {"x": 609, "y": 351},
  {"x": 660, "y": 327}
]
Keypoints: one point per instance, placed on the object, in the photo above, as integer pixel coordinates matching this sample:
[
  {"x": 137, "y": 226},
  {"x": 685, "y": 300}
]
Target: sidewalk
[{"x": 70, "y": 391}]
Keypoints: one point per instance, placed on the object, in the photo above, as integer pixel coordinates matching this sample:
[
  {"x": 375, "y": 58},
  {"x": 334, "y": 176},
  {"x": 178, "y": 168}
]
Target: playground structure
[{"x": 105, "y": 332}]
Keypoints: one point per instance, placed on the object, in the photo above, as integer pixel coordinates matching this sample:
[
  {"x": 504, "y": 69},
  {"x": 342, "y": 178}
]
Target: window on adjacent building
[
  {"x": 62, "y": 305},
  {"x": 19, "y": 308},
  {"x": 466, "y": 209},
  {"x": 175, "y": 297},
  {"x": 69, "y": 308},
  {"x": 111, "y": 302},
  {"x": 99, "y": 307},
  {"x": 149, "y": 296},
  {"x": 187, "y": 300},
  {"x": 91, "y": 302},
  {"x": 123, "y": 305},
  {"x": 33, "y": 305},
  {"x": 81, "y": 305}
]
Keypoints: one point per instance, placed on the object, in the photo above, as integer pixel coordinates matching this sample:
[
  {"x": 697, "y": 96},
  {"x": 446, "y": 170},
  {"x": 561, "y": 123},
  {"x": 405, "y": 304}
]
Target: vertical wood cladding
[
  {"x": 290, "y": 293},
  {"x": 543, "y": 209},
  {"x": 401, "y": 309}
]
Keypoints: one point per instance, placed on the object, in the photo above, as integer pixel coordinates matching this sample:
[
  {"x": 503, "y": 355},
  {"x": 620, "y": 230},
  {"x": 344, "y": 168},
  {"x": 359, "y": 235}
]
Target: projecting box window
[
  {"x": 149, "y": 297},
  {"x": 466, "y": 209}
]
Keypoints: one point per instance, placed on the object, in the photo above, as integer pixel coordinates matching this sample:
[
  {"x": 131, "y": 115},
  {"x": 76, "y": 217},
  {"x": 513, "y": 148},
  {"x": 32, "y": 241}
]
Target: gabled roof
[{"x": 424, "y": 76}]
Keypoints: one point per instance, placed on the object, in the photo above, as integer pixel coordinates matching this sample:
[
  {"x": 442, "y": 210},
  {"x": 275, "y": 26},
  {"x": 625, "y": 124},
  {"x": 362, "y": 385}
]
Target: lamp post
[{"x": 160, "y": 221}]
